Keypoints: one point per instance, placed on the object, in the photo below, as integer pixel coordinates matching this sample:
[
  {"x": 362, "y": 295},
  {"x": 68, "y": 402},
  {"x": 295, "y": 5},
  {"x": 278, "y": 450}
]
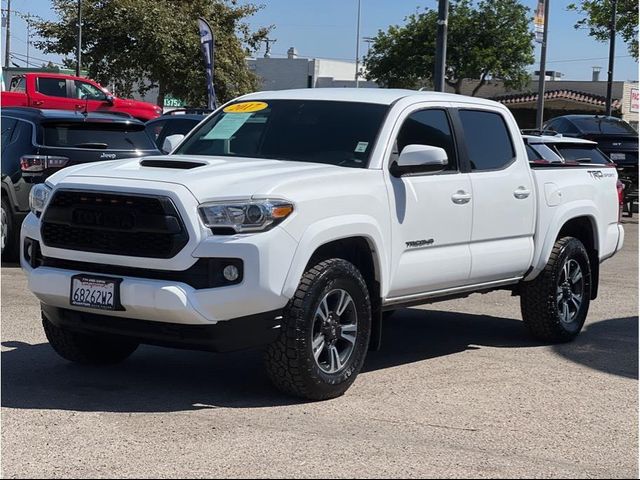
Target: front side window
[
  {"x": 52, "y": 87},
  {"x": 316, "y": 131},
  {"x": 86, "y": 91},
  {"x": 487, "y": 138},
  {"x": 429, "y": 127}
]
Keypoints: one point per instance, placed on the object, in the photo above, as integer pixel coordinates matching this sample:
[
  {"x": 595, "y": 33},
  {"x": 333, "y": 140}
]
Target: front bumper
[
  {"x": 265, "y": 257},
  {"x": 240, "y": 334}
]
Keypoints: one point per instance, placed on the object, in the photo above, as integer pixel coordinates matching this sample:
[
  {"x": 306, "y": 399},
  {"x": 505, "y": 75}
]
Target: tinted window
[
  {"x": 532, "y": 154},
  {"x": 53, "y": 87},
  {"x": 154, "y": 129},
  {"x": 7, "y": 127},
  {"x": 487, "y": 139},
  {"x": 606, "y": 125},
  {"x": 428, "y": 127},
  {"x": 97, "y": 136},
  {"x": 86, "y": 91},
  {"x": 337, "y": 133},
  {"x": 586, "y": 154},
  {"x": 18, "y": 84},
  {"x": 562, "y": 125},
  {"x": 545, "y": 153}
]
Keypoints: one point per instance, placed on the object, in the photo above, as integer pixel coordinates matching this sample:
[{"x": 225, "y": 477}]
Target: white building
[{"x": 297, "y": 72}]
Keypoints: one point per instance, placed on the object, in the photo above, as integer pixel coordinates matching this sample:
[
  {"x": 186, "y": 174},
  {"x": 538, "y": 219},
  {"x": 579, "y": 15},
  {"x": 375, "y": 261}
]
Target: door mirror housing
[
  {"x": 109, "y": 99},
  {"x": 420, "y": 159},
  {"x": 171, "y": 142}
]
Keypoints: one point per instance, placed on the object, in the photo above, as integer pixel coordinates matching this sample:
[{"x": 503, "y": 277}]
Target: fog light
[{"x": 231, "y": 273}]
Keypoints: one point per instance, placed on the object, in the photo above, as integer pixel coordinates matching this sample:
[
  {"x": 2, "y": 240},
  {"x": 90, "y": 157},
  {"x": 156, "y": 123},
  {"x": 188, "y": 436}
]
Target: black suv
[
  {"x": 175, "y": 122},
  {"x": 36, "y": 143},
  {"x": 615, "y": 137}
]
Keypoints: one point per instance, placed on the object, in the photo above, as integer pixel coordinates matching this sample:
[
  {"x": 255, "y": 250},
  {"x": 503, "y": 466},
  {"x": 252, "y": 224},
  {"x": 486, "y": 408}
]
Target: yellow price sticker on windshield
[{"x": 245, "y": 107}]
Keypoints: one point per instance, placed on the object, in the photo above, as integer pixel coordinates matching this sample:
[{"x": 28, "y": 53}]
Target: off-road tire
[
  {"x": 10, "y": 248},
  {"x": 289, "y": 360},
  {"x": 538, "y": 301},
  {"x": 87, "y": 349}
]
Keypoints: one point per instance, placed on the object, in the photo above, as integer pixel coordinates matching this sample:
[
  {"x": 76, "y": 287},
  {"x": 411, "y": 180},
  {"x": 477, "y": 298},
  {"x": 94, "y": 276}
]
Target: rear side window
[
  {"x": 53, "y": 87},
  {"x": 18, "y": 84},
  {"x": 487, "y": 139},
  {"x": 7, "y": 127},
  {"x": 429, "y": 127},
  {"x": 97, "y": 136}
]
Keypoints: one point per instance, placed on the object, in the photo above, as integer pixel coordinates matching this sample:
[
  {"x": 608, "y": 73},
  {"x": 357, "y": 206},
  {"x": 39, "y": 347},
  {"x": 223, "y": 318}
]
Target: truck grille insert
[{"x": 115, "y": 224}]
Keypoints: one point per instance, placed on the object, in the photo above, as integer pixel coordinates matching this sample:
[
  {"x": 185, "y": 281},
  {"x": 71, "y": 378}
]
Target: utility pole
[
  {"x": 612, "y": 54},
  {"x": 358, "y": 49},
  {"x": 542, "y": 75},
  {"x": 441, "y": 46},
  {"x": 79, "y": 46},
  {"x": 7, "y": 38},
  {"x": 267, "y": 50}
]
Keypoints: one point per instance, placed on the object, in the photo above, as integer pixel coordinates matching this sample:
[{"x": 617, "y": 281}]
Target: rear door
[
  {"x": 83, "y": 142},
  {"x": 51, "y": 93},
  {"x": 503, "y": 195}
]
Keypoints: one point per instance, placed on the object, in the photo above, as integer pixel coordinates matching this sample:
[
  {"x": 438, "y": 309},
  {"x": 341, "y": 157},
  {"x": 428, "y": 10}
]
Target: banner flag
[
  {"x": 208, "y": 45},
  {"x": 538, "y": 21}
]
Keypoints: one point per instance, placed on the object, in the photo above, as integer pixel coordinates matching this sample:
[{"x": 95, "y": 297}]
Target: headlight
[
  {"x": 244, "y": 216},
  {"x": 38, "y": 197}
]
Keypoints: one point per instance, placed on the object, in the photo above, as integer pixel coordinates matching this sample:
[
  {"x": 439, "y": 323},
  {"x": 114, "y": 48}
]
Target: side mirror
[
  {"x": 109, "y": 99},
  {"x": 171, "y": 142},
  {"x": 419, "y": 159}
]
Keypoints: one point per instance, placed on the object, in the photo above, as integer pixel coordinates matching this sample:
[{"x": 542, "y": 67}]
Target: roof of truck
[{"x": 384, "y": 96}]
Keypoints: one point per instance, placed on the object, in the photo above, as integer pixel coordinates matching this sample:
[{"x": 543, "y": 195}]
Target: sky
[{"x": 327, "y": 29}]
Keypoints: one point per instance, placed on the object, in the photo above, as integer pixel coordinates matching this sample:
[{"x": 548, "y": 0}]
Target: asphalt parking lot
[{"x": 458, "y": 389}]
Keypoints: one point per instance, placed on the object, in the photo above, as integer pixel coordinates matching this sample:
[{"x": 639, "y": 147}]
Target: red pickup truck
[{"x": 65, "y": 92}]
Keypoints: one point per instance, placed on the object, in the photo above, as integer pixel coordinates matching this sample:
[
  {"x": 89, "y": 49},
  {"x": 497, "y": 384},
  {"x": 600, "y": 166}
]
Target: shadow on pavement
[
  {"x": 610, "y": 346},
  {"x": 164, "y": 380}
]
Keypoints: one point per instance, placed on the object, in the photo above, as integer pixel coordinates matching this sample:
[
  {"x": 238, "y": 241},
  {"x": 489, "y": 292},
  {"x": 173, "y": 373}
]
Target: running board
[{"x": 446, "y": 294}]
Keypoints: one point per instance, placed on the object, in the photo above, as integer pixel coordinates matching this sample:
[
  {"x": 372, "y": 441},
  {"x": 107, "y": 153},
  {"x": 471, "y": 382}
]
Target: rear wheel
[
  {"x": 325, "y": 333},
  {"x": 8, "y": 240},
  {"x": 87, "y": 349},
  {"x": 555, "y": 305}
]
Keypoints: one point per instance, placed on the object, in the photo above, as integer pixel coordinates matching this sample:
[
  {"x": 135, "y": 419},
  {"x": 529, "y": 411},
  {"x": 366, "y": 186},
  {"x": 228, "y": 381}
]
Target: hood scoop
[{"x": 175, "y": 164}]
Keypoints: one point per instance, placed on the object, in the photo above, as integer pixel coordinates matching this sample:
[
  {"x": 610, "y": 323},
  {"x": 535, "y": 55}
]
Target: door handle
[
  {"x": 461, "y": 197},
  {"x": 37, "y": 103},
  {"x": 521, "y": 193}
]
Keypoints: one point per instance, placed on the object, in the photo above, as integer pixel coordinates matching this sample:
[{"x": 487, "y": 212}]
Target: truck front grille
[{"x": 116, "y": 224}]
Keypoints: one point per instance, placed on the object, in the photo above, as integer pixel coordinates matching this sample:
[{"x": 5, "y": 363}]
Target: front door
[
  {"x": 503, "y": 196},
  {"x": 431, "y": 212}
]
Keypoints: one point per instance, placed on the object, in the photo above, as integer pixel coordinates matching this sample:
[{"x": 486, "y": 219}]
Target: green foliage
[
  {"x": 598, "y": 18},
  {"x": 490, "y": 40},
  {"x": 144, "y": 44}
]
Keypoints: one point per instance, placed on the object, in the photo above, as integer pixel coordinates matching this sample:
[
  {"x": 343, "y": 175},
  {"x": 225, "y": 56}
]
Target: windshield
[
  {"x": 337, "y": 133},
  {"x": 97, "y": 136},
  {"x": 586, "y": 154},
  {"x": 598, "y": 125}
]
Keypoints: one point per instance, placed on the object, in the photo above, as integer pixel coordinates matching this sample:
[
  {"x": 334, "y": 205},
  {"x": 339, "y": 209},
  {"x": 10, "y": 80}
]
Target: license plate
[
  {"x": 617, "y": 156},
  {"x": 101, "y": 293}
]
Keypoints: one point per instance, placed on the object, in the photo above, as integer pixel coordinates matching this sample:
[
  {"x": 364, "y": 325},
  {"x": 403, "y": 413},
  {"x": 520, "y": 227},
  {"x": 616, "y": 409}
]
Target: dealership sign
[{"x": 635, "y": 100}]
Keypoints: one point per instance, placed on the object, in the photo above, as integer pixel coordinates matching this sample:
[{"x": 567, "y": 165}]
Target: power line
[{"x": 585, "y": 59}]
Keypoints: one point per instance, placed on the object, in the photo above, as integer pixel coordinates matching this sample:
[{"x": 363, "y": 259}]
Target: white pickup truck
[{"x": 293, "y": 220}]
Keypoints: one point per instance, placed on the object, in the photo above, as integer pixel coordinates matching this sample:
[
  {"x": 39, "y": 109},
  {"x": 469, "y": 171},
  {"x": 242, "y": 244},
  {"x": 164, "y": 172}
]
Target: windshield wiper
[{"x": 95, "y": 145}]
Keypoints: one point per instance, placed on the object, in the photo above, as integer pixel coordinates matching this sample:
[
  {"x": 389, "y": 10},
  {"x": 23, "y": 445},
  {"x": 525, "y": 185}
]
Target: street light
[{"x": 79, "y": 46}]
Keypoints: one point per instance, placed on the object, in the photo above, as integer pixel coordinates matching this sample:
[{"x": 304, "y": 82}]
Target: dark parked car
[
  {"x": 37, "y": 143},
  {"x": 615, "y": 137},
  {"x": 175, "y": 122}
]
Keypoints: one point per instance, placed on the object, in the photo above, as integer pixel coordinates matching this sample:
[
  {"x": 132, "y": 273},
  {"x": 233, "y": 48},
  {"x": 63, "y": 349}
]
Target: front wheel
[
  {"x": 87, "y": 349},
  {"x": 554, "y": 306},
  {"x": 325, "y": 333}
]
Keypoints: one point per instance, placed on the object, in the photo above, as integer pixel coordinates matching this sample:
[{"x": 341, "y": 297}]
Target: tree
[
  {"x": 491, "y": 40},
  {"x": 598, "y": 20},
  {"x": 143, "y": 44}
]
